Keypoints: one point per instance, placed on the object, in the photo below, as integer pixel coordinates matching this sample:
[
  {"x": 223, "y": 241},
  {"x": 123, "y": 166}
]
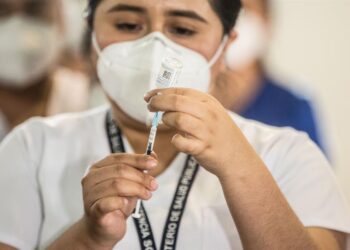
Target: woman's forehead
[
  {"x": 200, "y": 6},
  {"x": 20, "y": 2}
]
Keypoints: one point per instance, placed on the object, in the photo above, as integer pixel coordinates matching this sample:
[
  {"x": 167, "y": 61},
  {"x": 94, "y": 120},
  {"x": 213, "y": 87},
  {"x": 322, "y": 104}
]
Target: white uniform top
[
  {"x": 3, "y": 126},
  {"x": 69, "y": 93},
  {"x": 43, "y": 161}
]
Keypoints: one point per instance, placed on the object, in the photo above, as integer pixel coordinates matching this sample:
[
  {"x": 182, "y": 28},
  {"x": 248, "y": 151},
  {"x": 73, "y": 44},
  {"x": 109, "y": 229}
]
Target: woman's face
[
  {"x": 45, "y": 10},
  {"x": 191, "y": 23}
]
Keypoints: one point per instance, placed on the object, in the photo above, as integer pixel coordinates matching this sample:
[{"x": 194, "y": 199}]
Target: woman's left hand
[{"x": 204, "y": 129}]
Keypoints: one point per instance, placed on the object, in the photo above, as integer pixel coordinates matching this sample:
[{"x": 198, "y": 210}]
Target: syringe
[
  {"x": 152, "y": 135},
  {"x": 167, "y": 77}
]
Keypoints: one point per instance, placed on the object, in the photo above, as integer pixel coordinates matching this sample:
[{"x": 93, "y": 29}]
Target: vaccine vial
[{"x": 169, "y": 72}]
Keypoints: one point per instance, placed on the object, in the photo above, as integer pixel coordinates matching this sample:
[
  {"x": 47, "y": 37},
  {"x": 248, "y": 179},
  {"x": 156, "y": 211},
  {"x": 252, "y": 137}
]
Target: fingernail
[
  {"x": 146, "y": 95},
  {"x": 152, "y": 163},
  {"x": 125, "y": 201},
  {"x": 154, "y": 185},
  {"x": 148, "y": 194}
]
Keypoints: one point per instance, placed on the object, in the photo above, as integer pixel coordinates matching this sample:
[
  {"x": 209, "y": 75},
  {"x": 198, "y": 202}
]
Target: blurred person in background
[
  {"x": 33, "y": 81},
  {"x": 245, "y": 87}
]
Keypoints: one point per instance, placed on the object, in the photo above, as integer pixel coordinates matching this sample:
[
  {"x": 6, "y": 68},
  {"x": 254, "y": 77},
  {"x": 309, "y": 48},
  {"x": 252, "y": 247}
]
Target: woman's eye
[
  {"x": 183, "y": 31},
  {"x": 128, "y": 27}
]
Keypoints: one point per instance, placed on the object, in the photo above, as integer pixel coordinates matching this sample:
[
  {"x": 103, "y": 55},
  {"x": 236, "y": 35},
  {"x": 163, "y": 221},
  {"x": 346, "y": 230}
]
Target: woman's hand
[
  {"x": 110, "y": 191},
  {"x": 204, "y": 128}
]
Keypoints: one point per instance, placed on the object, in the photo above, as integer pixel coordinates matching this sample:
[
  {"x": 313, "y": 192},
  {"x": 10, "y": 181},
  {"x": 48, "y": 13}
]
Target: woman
[
  {"x": 237, "y": 198},
  {"x": 32, "y": 83},
  {"x": 246, "y": 87}
]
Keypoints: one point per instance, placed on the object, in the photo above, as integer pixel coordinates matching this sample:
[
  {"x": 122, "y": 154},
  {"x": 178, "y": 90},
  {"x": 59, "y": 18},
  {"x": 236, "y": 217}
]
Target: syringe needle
[{"x": 151, "y": 139}]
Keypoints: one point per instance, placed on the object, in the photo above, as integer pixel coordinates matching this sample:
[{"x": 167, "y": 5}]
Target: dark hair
[
  {"x": 266, "y": 6},
  {"x": 227, "y": 10}
]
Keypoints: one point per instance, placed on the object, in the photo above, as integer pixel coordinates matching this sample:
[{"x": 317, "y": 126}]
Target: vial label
[
  {"x": 167, "y": 75},
  {"x": 165, "y": 78}
]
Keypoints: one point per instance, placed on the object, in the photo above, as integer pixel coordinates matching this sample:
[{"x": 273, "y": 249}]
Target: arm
[
  {"x": 20, "y": 208},
  {"x": 6, "y": 247},
  {"x": 252, "y": 195},
  {"x": 328, "y": 239},
  {"x": 262, "y": 214},
  {"x": 77, "y": 237}
]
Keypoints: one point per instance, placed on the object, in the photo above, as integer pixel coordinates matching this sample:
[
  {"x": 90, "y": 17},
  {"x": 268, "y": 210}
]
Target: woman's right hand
[{"x": 110, "y": 191}]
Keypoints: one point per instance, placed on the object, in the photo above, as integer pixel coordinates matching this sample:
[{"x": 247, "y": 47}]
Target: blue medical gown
[{"x": 278, "y": 106}]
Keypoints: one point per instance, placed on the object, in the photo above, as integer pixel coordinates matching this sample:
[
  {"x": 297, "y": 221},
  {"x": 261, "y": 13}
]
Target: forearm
[
  {"x": 77, "y": 238},
  {"x": 262, "y": 215}
]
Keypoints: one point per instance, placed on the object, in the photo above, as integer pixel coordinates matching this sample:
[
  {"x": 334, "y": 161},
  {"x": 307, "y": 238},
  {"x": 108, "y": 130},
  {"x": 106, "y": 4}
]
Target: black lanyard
[{"x": 178, "y": 204}]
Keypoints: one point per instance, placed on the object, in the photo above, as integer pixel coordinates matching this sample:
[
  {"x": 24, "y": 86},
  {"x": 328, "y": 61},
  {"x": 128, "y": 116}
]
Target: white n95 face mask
[
  {"x": 128, "y": 70},
  {"x": 251, "y": 42},
  {"x": 28, "y": 47}
]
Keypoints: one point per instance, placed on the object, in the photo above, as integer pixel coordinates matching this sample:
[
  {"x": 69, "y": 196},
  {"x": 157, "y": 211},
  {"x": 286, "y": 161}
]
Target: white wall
[{"x": 311, "y": 40}]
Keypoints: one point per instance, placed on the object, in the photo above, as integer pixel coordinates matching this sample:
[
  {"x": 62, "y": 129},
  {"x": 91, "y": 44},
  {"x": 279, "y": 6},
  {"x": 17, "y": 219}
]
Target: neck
[
  {"x": 249, "y": 87},
  {"x": 236, "y": 89},
  {"x": 137, "y": 135},
  {"x": 17, "y": 105}
]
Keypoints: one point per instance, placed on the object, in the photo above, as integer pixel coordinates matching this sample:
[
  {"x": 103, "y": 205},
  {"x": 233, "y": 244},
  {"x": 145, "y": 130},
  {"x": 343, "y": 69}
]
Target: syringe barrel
[
  {"x": 151, "y": 139},
  {"x": 152, "y": 134}
]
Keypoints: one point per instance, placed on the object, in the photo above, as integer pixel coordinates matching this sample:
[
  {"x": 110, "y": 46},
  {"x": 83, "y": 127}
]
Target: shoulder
[
  {"x": 278, "y": 104},
  {"x": 260, "y": 133},
  {"x": 66, "y": 119},
  {"x": 65, "y": 122},
  {"x": 279, "y": 146},
  {"x": 289, "y": 93},
  {"x": 38, "y": 135}
]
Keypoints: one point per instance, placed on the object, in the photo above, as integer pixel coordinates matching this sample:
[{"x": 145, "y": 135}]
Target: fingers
[
  {"x": 178, "y": 103},
  {"x": 108, "y": 205},
  {"x": 154, "y": 155},
  {"x": 141, "y": 162},
  {"x": 115, "y": 183},
  {"x": 99, "y": 175},
  {"x": 186, "y": 124},
  {"x": 120, "y": 205},
  {"x": 177, "y": 91},
  {"x": 119, "y": 188},
  {"x": 190, "y": 112},
  {"x": 187, "y": 145}
]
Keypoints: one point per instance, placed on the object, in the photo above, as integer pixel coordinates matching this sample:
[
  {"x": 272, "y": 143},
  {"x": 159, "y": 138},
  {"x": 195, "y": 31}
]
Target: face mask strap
[
  {"x": 218, "y": 52},
  {"x": 95, "y": 44},
  {"x": 98, "y": 49}
]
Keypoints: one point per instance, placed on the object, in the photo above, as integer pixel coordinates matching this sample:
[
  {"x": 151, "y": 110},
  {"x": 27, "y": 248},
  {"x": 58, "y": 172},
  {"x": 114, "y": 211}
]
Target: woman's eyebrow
[
  {"x": 174, "y": 13},
  {"x": 187, "y": 14},
  {"x": 127, "y": 7}
]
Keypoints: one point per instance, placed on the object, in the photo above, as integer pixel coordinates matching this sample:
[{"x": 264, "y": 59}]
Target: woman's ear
[{"x": 232, "y": 36}]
